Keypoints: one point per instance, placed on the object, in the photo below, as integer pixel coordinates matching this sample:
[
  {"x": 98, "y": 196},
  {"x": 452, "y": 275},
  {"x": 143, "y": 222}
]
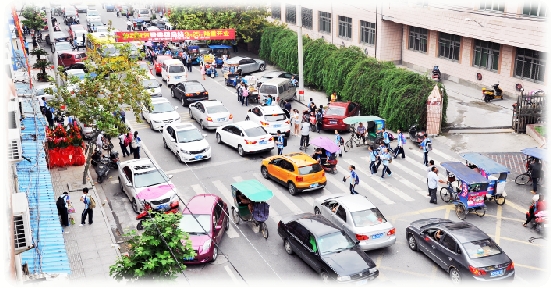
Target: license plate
[
  {"x": 313, "y": 185},
  {"x": 361, "y": 282},
  {"x": 277, "y": 125},
  {"x": 188, "y": 258},
  {"x": 162, "y": 207},
  {"x": 332, "y": 122},
  {"x": 221, "y": 119},
  {"x": 178, "y": 77},
  {"x": 377, "y": 236},
  {"x": 263, "y": 142},
  {"x": 199, "y": 157},
  {"x": 496, "y": 273}
]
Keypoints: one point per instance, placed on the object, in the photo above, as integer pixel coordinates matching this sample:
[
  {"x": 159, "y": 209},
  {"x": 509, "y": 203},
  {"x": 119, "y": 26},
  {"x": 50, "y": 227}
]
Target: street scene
[{"x": 204, "y": 138}]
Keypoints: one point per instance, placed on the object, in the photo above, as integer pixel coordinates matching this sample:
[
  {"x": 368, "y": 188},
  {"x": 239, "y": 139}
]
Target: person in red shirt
[{"x": 539, "y": 205}]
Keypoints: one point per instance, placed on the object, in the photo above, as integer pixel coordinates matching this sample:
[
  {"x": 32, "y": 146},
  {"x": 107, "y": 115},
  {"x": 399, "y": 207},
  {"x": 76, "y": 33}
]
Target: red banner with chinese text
[{"x": 176, "y": 35}]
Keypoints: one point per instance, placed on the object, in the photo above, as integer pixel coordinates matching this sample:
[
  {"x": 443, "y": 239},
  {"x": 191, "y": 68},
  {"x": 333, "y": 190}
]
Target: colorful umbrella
[{"x": 325, "y": 143}]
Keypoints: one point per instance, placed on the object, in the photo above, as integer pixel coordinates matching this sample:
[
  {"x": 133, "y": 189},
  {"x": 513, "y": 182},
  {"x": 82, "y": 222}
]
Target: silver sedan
[{"x": 210, "y": 114}]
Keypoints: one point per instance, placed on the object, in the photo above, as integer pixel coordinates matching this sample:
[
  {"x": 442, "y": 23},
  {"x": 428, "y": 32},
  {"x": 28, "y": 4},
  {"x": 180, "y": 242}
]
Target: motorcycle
[
  {"x": 416, "y": 136},
  {"x": 490, "y": 95},
  {"x": 436, "y": 75},
  {"x": 107, "y": 145},
  {"x": 102, "y": 169},
  {"x": 112, "y": 161},
  {"x": 166, "y": 208}
]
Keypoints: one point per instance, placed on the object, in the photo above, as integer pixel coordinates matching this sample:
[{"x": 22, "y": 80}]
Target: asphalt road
[{"x": 401, "y": 198}]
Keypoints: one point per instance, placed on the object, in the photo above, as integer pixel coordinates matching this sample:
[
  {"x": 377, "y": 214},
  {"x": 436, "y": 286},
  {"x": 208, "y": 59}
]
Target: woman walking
[
  {"x": 62, "y": 208},
  {"x": 296, "y": 122},
  {"x": 203, "y": 70}
]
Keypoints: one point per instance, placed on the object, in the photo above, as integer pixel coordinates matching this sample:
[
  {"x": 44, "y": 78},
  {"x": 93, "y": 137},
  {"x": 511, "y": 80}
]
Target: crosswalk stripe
[
  {"x": 388, "y": 185},
  {"x": 408, "y": 171},
  {"x": 441, "y": 154},
  {"x": 278, "y": 194},
  {"x": 424, "y": 168},
  {"x": 368, "y": 188},
  {"x": 198, "y": 189}
]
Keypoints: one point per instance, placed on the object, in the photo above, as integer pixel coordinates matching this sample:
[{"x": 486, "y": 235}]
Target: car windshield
[
  {"x": 150, "y": 83},
  {"x": 369, "y": 217},
  {"x": 255, "y": 132},
  {"x": 275, "y": 117},
  {"x": 305, "y": 170},
  {"x": 60, "y": 34},
  {"x": 334, "y": 242},
  {"x": 268, "y": 89},
  {"x": 481, "y": 248},
  {"x": 149, "y": 178},
  {"x": 92, "y": 13},
  {"x": 186, "y": 136},
  {"x": 144, "y": 11},
  {"x": 63, "y": 46},
  {"x": 192, "y": 87},
  {"x": 335, "y": 111},
  {"x": 176, "y": 69},
  {"x": 217, "y": 109},
  {"x": 102, "y": 29},
  {"x": 200, "y": 224},
  {"x": 162, "y": 107}
]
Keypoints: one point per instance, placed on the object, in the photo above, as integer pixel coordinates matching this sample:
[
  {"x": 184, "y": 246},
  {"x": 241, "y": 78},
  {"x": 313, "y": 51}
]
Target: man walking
[
  {"x": 136, "y": 145},
  {"x": 426, "y": 146},
  {"x": 535, "y": 173},
  {"x": 123, "y": 145},
  {"x": 280, "y": 142},
  {"x": 429, "y": 168},
  {"x": 433, "y": 183},
  {"x": 234, "y": 45},
  {"x": 87, "y": 200},
  {"x": 400, "y": 147},
  {"x": 385, "y": 156},
  {"x": 372, "y": 160},
  {"x": 304, "y": 134},
  {"x": 353, "y": 179},
  {"x": 319, "y": 120},
  {"x": 188, "y": 62}
]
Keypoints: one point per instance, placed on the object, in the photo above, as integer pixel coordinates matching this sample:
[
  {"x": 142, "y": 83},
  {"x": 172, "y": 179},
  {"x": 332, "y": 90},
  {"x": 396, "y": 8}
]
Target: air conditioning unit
[
  {"x": 21, "y": 223},
  {"x": 14, "y": 131}
]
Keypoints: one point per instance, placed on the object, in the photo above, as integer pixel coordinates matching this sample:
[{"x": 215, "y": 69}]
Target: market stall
[{"x": 64, "y": 147}]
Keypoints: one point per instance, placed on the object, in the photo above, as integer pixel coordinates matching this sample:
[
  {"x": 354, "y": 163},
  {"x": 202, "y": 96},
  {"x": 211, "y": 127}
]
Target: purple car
[{"x": 212, "y": 213}]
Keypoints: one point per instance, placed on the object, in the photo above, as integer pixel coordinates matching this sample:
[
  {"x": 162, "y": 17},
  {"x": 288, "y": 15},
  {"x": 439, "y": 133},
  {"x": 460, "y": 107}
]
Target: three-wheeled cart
[
  {"x": 493, "y": 171},
  {"x": 473, "y": 189},
  {"x": 372, "y": 125},
  {"x": 251, "y": 195}
]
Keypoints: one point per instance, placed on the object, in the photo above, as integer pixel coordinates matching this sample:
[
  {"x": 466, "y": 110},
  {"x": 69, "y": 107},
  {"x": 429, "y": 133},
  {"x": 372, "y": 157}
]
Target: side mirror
[
  {"x": 170, "y": 176},
  {"x": 204, "y": 135},
  {"x": 160, "y": 85},
  {"x": 217, "y": 227},
  {"x": 128, "y": 184}
]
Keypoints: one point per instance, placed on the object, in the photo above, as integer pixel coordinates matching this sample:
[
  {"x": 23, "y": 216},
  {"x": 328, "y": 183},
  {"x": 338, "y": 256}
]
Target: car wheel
[
  {"x": 247, "y": 118},
  {"x": 122, "y": 187},
  {"x": 183, "y": 102},
  {"x": 317, "y": 211},
  {"x": 202, "y": 125},
  {"x": 262, "y": 68},
  {"x": 164, "y": 144},
  {"x": 412, "y": 243},
  {"x": 288, "y": 247},
  {"x": 151, "y": 125},
  {"x": 324, "y": 277},
  {"x": 214, "y": 253},
  {"x": 292, "y": 188},
  {"x": 218, "y": 138},
  {"x": 240, "y": 151},
  {"x": 227, "y": 222},
  {"x": 264, "y": 172},
  {"x": 172, "y": 93},
  {"x": 455, "y": 276},
  {"x": 190, "y": 114},
  {"x": 135, "y": 206}
]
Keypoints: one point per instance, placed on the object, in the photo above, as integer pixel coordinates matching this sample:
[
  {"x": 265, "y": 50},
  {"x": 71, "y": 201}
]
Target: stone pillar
[{"x": 434, "y": 112}]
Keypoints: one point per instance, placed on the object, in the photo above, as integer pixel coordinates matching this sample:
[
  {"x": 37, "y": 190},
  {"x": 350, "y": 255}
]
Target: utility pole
[
  {"x": 300, "y": 55},
  {"x": 52, "y": 42}
]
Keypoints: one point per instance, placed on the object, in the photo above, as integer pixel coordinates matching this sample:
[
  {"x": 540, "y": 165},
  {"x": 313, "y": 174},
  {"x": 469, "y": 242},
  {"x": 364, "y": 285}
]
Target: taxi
[{"x": 297, "y": 171}]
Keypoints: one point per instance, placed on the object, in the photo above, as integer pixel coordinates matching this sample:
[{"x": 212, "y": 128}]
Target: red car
[
  {"x": 66, "y": 59},
  {"x": 212, "y": 213},
  {"x": 158, "y": 62},
  {"x": 335, "y": 114}
]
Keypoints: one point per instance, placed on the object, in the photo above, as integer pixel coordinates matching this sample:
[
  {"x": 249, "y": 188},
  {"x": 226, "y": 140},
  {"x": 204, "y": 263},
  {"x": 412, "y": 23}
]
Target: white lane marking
[
  {"x": 206, "y": 165},
  {"x": 367, "y": 188},
  {"x": 412, "y": 186},
  {"x": 278, "y": 194},
  {"x": 424, "y": 168},
  {"x": 443, "y": 155},
  {"x": 230, "y": 273},
  {"x": 238, "y": 178},
  {"x": 198, "y": 189}
]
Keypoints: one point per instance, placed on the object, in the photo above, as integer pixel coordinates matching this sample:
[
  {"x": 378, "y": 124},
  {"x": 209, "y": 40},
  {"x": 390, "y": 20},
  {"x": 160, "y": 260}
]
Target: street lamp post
[{"x": 300, "y": 55}]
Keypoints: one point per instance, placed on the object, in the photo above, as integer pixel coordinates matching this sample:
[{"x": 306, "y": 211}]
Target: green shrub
[
  {"x": 337, "y": 67},
  {"x": 315, "y": 54}
]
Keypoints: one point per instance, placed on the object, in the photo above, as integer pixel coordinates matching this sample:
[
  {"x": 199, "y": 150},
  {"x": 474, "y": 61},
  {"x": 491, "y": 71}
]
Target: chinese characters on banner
[
  {"x": 476, "y": 199},
  {"x": 176, "y": 35}
]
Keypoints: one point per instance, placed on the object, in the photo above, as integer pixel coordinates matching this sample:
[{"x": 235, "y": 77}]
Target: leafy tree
[
  {"x": 248, "y": 21},
  {"x": 337, "y": 67},
  {"x": 113, "y": 83},
  {"x": 153, "y": 254},
  {"x": 315, "y": 53},
  {"x": 34, "y": 18}
]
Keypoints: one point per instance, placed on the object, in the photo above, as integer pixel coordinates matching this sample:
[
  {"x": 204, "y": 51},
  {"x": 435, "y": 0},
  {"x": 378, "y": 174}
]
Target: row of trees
[{"x": 382, "y": 89}]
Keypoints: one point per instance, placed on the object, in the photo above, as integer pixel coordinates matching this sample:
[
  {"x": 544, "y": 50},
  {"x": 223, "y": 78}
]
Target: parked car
[
  {"x": 461, "y": 249},
  {"x": 141, "y": 175},
  {"x": 189, "y": 92},
  {"x": 210, "y": 114},
  {"x": 186, "y": 142},
  {"x": 206, "y": 220},
  {"x": 173, "y": 72},
  {"x": 163, "y": 113},
  {"x": 66, "y": 59},
  {"x": 355, "y": 214},
  {"x": 275, "y": 74},
  {"x": 76, "y": 27},
  {"x": 335, "y": 114},
  {"x": 109, "y": 7},
  {"x": 247, "y": 65},
  {"x": 92, "y": 16},
  {"x": 152, "y": 87},
  {"x": 326, "y": 249},
  {"x": 145, "y": 66},
  {"x": 246, "y": 136},
  {"x": 81, "y": 8},
  {"x": 158, "y": 63},
  {"x": 58, "y": 36},
  {"x": 143, "y": 14},
  {"x": 272, "y": 118},
  {"x": 203, "y": 47},
  {"x": 279, "y": 88},
  {"x": 126, "y": 10},
  {"x": 298, "y": 171},
  {"x": 94, "y": 24}
]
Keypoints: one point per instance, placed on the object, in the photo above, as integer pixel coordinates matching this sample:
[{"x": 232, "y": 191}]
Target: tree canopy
[
  {"x": 247, "y": 21},
  {"x": 34, "y": 18}
]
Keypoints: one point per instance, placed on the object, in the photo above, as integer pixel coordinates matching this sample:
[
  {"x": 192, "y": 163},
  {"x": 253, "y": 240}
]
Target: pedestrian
[
  {"x": 234, "y": 45},
  {"x": 334, "y": 96},
  {"x": 27, "y": 47},
  {"x": 42, "y": 103},
  {"x": 63, "y": 208},
  {"x": 433, "y": 183},
  {"x": 372, "y": 160},
  {"x": 280, "y": 142},
  {"x": 49, "y": 117},
  {"x": 136, "y": 145},
  {"x": 386, "y": 139},
  {"x": 35, "y": 44},
  {"x": 535, "y": 174},
  {"x": 123, "y": 145},
  {"x": 319, "y": 120},
  {"x": 385, "y": 157},
  {"x": 123, "y": 116},
  {"x": 339, "y": 141},
  {"x": 287, "y": 106},
  {"x": 239, "y": 90},
  {"x": 538, "y": 205},
  {"x": 296, "y": 121},
  {"x": 128, "y": 142},
  {"x": 245, "y": 95},
  {"x": 429, "y": 168},
  {"x": 400, "y": 146},
  {"x": 99, "y": 141},
  {"x": 313, "y": 107},
  {"x": 426, "y": 146},
  {"x": 203, "y": 70},
  {"x": 87, "y": 200},
  {"x": 353, "y": 179},
  {"x": 304, "y": 134},
  {"x": 310, "y": 103}
]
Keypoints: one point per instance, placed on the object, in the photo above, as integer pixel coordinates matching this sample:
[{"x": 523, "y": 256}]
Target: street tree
[
  {"x": 248, "y": 21},
  {"x": 34, "y": 18},
  {"x": 113, "y": 83},
  {"x": 156, "y": 254}
]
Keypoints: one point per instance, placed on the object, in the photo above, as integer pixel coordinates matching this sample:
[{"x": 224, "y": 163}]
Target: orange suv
[{"x": 298, "y": 171}]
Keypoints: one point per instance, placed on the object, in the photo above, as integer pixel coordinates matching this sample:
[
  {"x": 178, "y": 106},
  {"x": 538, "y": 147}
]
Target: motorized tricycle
[
  {"x": 472, "y": 189},
  {"x": 373, "y": 125},
  {"x": 493, "y": 171},
  {"x": 250, "y": 198},
  {"x": 436, "y": 75}
]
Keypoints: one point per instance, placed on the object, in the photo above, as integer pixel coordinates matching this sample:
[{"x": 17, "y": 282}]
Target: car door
[
  {"x": 306, "y": 247},
  {"x": 287, "y": 171},
  {"x": 145, "y": 114},
  {"x": 218, "y": 221},
  {"x": 341, "y": 217},
  {"x": 428, "y": 244},
  {"x": 193, "y": 110},
  {"x": 237, "y": 136},
  {"x": 258, "y": 115},
  {"x": 200, "y": 112},
  {"x": 274, "y": 168},
  {"x": 179, "y": 90},
  {"x": 447, "y": 251},
  {"x": 295, "y": 240},
  {"x": 325, "y": 209},
  {"x": 127, "y": 179},
  {"x": 174, "y": 141},
  {"x": 226, "y": 134}
]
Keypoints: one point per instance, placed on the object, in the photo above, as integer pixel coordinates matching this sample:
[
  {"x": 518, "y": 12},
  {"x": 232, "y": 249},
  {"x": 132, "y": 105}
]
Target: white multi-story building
[{"x": 475, "y": 43}]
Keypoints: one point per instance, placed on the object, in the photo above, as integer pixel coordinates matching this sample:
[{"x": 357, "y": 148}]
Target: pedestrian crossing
[{"x": 131, "y": 120}]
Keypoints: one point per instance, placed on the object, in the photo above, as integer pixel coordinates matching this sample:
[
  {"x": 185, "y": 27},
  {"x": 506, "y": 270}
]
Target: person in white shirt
[
  {"x": 429, "y": 167},
  {"x": 99, "y": 141},
  {"x": 433, "y": 183},
  {"x": 304, "y": 134}
]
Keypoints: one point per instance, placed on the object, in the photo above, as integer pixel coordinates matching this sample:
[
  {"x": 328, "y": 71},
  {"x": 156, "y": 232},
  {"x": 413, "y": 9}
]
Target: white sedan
[
  {"x": 163, "y": 113},
  {"x": 186, "y": 142},
  {"x": 92, "y": 16},
  {"x": 246, "y": 136},
  {"x": 210, "y": 114}
]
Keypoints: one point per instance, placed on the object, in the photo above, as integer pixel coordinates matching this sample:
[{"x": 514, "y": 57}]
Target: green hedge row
[{"x": 382, "y": 89}]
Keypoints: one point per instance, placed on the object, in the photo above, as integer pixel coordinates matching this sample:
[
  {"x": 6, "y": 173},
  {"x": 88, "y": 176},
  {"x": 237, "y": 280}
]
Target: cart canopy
[
  {"x": 363, "y": 119},
  {"x": 485, "y": 163},
  {"x": 254, "y": 190},
  {"x": 536, "y": 153},
  {"x": 464, "y": 173},
  {"x": 220, "y": 46}
]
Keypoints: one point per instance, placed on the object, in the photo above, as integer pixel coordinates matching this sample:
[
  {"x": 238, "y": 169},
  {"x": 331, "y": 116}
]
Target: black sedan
[
  {"x": 189, "y": 92},
  {"x": 326, "y": 248},
  {"x": 461, "y": 249}
]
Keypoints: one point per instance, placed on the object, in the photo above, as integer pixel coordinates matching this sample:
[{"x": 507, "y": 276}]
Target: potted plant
[
  {"x": 38, "y": 52},
  {"x": 42, "y": 64}
]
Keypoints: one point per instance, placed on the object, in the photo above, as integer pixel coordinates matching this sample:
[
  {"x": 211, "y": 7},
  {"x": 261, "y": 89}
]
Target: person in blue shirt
[
  {"x": 372, "y": 159},
  {"x": 339, "y": 141},
  {"x": 385, "y": 156},
  {"x": 425, "y": 148},
  {"x": 400, "y": 146},
  {"x": 386, "y": 139},
  {"x": 138, "y": 145},
  {"x": 279, "y": 142},
  {"x": 269, "y": 100},
  {"x": 88, "y": 211},
  {"x": 353, "y": 179}
]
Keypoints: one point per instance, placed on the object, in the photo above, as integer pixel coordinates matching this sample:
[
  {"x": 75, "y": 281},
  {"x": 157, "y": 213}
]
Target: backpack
[
  {"x": 92, "y": 203},
  {"x": 319, "y": 116},
  {"x": 357, "y": 179},
  {"x": 134, "y": 144},
  {"x": 403, "y": 139},
  {"x": 429, "y": 145},
  {"x": 284, "y": 141}
]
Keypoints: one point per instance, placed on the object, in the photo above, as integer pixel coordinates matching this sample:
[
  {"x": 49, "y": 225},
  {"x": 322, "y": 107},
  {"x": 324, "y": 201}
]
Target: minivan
[
  {"x": 279, "y": 88},
  {"x": 143, "y": 14},
  {"x": 173, "y": 72}
]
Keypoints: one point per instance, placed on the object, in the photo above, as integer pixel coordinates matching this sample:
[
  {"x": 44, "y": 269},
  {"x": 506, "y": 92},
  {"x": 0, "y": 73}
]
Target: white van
[
  {"x": 279, "y": 88},
  {"x": 173, "y": 72}
]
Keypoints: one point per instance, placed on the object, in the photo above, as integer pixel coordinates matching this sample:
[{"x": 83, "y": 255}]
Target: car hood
[
  {"x": 155, "y": 192},
  {"x": 197, "y": 241},
  {"x": 431, "y": 221},
  {"x": 348, "y": 262},
  {"x": 153, "y": 91},
  {"x": 194, "y": 146},
  {"x": 164, "y": 115},
  {"x": 495, "y": 260}
]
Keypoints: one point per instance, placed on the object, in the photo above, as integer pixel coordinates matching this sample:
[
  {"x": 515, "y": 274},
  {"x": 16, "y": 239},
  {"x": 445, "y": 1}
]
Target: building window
[
  {"x": 345, "y": 27},
  {"x": 530, "y": 64},
  {"x": 324, "y": 22},
  {"x": 492, "y": 5},
  {"x": 367, "y": 32},
  {"x": 276, "y": 11},
  {"x": 291, "y": 14},
  {"x": 534, "y": 8},
  {"x": 448, "y": 46},
  {"x": 418, "y": 39},
  {"x": 486, "y": 55},
  {"x": 307, "y": 17}
]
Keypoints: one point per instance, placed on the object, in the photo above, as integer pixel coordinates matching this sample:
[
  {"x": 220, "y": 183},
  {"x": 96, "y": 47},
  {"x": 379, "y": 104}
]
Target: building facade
[{"x": 475, "y": 43}]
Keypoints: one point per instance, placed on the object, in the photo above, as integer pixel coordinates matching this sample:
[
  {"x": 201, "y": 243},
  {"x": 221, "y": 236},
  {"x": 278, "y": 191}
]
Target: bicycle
[
  {"x": 449, "y": 194},
  {"x": 526, "y": 178}
]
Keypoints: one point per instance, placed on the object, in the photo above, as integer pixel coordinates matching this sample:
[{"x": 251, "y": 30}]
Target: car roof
[
  {"x": 183, "y": 126},
  {"x": 246, "y": 124},
  {"x": 276, "y": 81},
  {"x": 201, "y": 204},
  {"x": 270, "y": 109},
  {"x": 354, "y": 202},
  {"x": 236, "y": 59},
  {"x": 210, "y": 103},
  {"x": 173, "y": 62},
  {"x": 317, "y": 224},
  {"x": 463, "y": 231},
  {"x": 139, "y": 165},
  {"x": 158, "y": 100},
  {"x": 299, "y": 158}
]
